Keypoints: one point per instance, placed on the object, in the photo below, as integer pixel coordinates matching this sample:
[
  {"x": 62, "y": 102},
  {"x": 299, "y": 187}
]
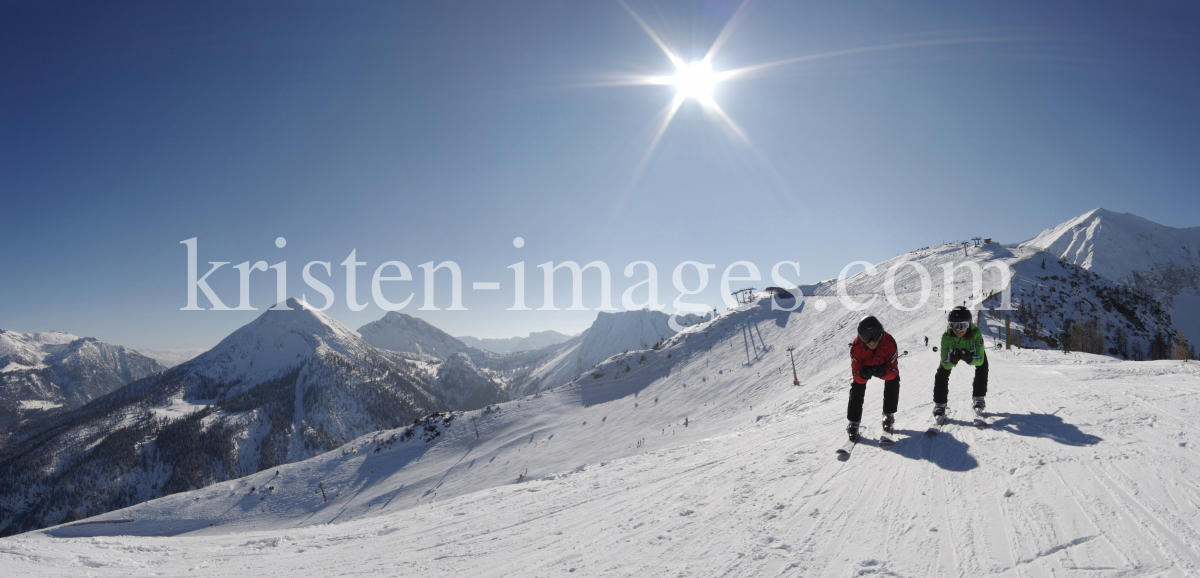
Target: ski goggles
[{"x": 960, "y": 325}]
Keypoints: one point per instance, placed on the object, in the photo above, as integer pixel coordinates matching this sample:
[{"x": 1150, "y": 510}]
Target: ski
[
  {"x": 885, "y": 438},
  {"x": 849, "y": 445},
  {"x": 935, "y": 428},
  {"x": 980, "y": 419}
]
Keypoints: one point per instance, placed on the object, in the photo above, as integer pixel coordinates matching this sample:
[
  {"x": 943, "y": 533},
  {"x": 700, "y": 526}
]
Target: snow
[
  {"x": 1114, "y": 245},
  {"x": 1156, "y": 259},
  {"x": 38, "y": 404},
  {"x": 610, "y": 334},
  {"x": 274, "y": 341},
  {"x": 407, "y": 334},
  {"x": 14, "y": 366},
  {"x": 52, "y": 369},
  {"x": 178, "y": 407},
  {"x": 31, "y": 346},
  {"x": 704, "y": 460}
]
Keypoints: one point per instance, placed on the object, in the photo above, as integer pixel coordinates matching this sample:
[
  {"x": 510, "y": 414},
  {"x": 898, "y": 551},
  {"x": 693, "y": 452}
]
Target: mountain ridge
[
  {"x": 42, "y": 372},
  {"x": 1156, "y": 260},
  {"x": 287, "y": 386},
  {"x": 535, "y": 340}
]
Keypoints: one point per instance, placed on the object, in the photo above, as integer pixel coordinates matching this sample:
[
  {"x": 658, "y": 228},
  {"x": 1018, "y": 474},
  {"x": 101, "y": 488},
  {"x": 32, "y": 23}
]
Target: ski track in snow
[{"x": 1088, "y": 468}]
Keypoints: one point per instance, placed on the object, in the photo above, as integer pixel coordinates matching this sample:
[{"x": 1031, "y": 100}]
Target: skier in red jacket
[{"x": 873, "y": 354}]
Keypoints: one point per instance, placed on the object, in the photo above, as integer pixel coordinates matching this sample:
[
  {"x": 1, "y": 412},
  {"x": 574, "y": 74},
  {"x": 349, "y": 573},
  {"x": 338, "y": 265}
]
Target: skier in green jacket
[{"x": 962, "y": 341}]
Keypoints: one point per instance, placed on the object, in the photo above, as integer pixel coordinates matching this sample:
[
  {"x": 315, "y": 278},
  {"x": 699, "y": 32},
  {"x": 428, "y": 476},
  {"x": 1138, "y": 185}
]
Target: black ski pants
[
  {"x": 858, "y": 391},
  {"x": 941, "y": 383}
]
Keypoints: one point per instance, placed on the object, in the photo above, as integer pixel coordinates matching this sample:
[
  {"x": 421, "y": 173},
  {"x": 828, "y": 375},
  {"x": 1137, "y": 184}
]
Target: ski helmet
[
  {"x": 959, "y": 314},
  {"x": 870, "y": 329}
]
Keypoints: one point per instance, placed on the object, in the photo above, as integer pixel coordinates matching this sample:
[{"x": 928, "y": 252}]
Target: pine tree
[
  {"x": 1121, "y": 347},
  {"x": 1135, "y": 352},
  {"x": 1160, "y": 346},
  {"x": 1087, "y": 335},
  {"x": 1183, "y": 351}
]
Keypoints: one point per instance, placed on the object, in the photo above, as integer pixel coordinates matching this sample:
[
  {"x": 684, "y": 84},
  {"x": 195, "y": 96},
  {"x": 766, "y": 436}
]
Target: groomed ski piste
[{"x": 705, "y": 460}]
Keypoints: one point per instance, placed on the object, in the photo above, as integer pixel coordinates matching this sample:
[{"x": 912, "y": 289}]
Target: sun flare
[{"x": 695, "y": 80}]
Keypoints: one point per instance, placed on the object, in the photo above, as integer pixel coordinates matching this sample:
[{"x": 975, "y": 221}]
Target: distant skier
[
  {"x": 873, "y": 354},
  {"x": 962, "y": 341},
  {"x": 926, "y": 341}
]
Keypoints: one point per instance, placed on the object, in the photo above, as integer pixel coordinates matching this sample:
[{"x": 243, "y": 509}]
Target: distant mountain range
[
  {"x": 285, "y": 387},
  {"x": 530, "y": 371},
  {"x": 172, "y": 357},
  {"x": 296, "y": 383},
  {"x": 44, "y": 372},
  {"x": 535, "y": 340}
]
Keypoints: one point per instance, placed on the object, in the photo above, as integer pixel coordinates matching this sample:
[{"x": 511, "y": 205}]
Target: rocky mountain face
[
  {"x": 1062, "y": 304},
  {"x": 287, "y": 386},
  {"x": 463, "y": 385},
  {"x": 1148, "y": 258},
  {"x": 41, "y": 373}
]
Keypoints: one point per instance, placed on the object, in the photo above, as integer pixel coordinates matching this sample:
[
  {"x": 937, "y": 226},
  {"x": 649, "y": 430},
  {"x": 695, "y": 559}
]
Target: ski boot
[
  {"x": 889, "y": 419},
  {"x": 979, "y": 404},
  {"x": 852, "y": 431},
  {"x": 939, "y": 409}
]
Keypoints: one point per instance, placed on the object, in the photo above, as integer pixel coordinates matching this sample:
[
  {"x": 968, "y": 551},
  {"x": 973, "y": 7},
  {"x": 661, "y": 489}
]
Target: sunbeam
[{"x": 697, "y": 80}]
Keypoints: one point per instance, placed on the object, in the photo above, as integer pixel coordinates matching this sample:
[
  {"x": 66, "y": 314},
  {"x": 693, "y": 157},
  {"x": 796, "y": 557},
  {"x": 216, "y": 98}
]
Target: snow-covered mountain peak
[
  {"x": 275, "y": 342},
  {"x": 26, "y": 344},
  {"x": 626, "y": 330},
  {"x": 52, "y": 369},
  {"x": 1114, "y": 245},
  {"x": 1152, "y": 259},
  {"x": 303, "y": 318},
  {"x": 407, "y": 334}
]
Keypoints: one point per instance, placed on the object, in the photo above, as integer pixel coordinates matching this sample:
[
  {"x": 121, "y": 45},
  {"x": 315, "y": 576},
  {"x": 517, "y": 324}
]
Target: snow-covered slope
[
  {"x": 703, "y": 459},
  {"x": 43, "y": 371},
  {"x": 610, "y": 334},
  {"x": 1160, "y": 261},
  {"x": 285, "y": 387},
  {"x": 463, "y": 385},
  {"x": 533, "y": 370},
  {"x": 535, "y": 340},
  {"x": 1114, "y": 245}
]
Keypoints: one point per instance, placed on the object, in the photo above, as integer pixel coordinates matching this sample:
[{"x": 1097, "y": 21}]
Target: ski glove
[
  {"x": 864, "y": 373},
  {"x": 878, "y": 371}
]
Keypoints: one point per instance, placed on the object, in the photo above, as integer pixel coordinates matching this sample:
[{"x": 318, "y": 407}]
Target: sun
[{"x": 695, "y": 80}]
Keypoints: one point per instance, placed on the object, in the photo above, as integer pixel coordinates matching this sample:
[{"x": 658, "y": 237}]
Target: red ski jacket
[{"x": 884, "y": 354}]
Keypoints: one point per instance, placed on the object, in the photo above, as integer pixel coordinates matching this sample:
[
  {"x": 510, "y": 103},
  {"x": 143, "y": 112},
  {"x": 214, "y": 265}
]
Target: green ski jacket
[{"x": 971, "y": 341}]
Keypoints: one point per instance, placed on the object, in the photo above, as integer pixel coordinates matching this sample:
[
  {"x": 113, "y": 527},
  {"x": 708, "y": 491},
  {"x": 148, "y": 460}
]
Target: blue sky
[{"x": 431, "y": 131}]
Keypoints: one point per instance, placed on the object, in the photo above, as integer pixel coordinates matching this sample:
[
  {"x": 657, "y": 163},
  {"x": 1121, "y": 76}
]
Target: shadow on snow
[
  {"x": 1043, "y": 425},
  {"x": 943, "y": 450}
]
